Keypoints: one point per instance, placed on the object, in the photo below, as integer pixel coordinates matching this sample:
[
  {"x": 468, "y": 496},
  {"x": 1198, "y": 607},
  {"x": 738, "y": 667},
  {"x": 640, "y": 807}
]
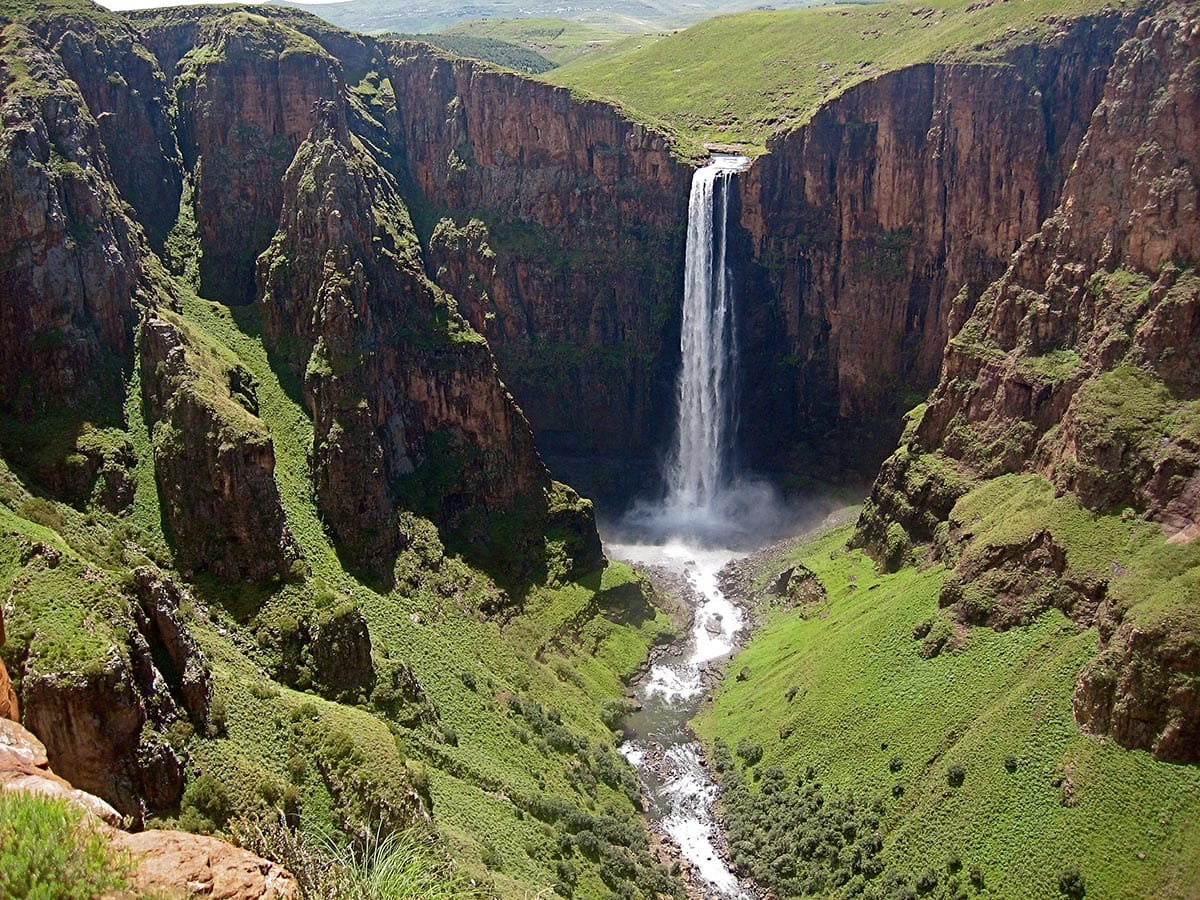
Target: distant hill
[
  {"x": 488, "y": 49},
  {"x": 380, "y": 16},
  {"x": 558, "y": 40},
  {"x": 741, "y": 78}
]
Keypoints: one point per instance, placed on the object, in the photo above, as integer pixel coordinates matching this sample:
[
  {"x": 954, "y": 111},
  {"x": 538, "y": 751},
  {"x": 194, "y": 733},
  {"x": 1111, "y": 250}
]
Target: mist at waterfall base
[{"x": 704, "y": 500}]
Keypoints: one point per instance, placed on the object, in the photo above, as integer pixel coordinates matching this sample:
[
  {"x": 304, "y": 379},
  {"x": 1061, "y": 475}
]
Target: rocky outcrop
[
  {"x": 24, "y": 766},
  {"x": 246, "y": 89},
  {"x": 73, "y": 261},
  {"x": 1142, "y": 689},
  {"x": 181, "y": 661},
  {"x": 329, "y": 652},
  {"x": 901, "y": 198},
  {"x": 1066, "y": 367},
  {"x": 166, "y": 863},
  {"x": 126, "y": 93},
  {"x": 213, "y": 459},
  {"x": 98, "y": 726},
  {"x": 9, "y": 709},
  {"x": 179, "y": 864},
  {"x": 561, "y": 237},
  {"x": 406, "y": 403}
]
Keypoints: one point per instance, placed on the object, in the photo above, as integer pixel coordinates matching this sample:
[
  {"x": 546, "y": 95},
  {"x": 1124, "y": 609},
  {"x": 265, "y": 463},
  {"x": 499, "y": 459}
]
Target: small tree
[
  {"x": 750, "y": 751},
  {"x": 956, "y": 774},
  {"x": 1070, "y": 882}
]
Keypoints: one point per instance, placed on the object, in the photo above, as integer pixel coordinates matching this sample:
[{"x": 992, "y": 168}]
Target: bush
[
  {"x": 380, "y": 866},
  {"x": 895, "y": 764},
  {"x": 956, "y": 774},
  {"x": 750, "y": 751},
  {"x": 926, "y": 881},
  {"x": 1070, "y": 882},
  {"x": 1010, "y": 763},
  {"x": 48, "y": 851},
  {"x": 976, "y": 876},
  {"x": 206, "y": 798}
]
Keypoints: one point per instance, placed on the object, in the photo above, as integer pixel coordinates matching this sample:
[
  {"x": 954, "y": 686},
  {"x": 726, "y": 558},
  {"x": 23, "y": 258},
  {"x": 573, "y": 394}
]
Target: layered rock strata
[{"x": 1076, "y": 365}]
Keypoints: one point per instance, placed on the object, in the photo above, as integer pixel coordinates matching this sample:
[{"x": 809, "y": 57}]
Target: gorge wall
[
  {"x": 874, "y": 228},
  {"x": 408, "y": 237},
  {"x": 1074, "y": 376}
]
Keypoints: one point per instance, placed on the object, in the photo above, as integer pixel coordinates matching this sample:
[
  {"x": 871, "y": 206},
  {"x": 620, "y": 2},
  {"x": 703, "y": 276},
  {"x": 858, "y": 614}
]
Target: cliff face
[
  {"x": 73, "y": 261},
  {"x": 404, "y": 395},
  {"x": 245, "y": 89},
  {"x": 1076, "y": 365},
  {"x": 213, "y": 459},
  {"x": 561, "y": 234},
  {"x": 896, "y": 201}
]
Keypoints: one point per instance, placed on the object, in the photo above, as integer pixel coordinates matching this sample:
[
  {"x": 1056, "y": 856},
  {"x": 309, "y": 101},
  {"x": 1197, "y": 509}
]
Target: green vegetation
[
  {"x": 742, "y": 78},
  {"x": 488, "y": 49},
  {"x": 380, "y": 866},
  {"x": 849, "y": 701},
  {"x": 556, "y": 40},
  {"x": 49, "y": 852}
]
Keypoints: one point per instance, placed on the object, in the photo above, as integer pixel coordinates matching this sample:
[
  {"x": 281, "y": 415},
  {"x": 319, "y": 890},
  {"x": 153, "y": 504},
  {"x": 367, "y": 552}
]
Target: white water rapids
[
  {"x": 704, "y": 508},
  {"x": 678, "y": 787}
]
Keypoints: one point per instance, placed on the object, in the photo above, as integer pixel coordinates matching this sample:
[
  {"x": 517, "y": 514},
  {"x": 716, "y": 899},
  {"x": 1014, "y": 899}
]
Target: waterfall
[{"x": 701, "y": 459}]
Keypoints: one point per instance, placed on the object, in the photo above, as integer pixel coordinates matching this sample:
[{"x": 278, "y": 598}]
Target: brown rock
[
  {"x": 900, "y": 199},
  {"x": 8, "y": 696},
  {"x": 1071, "y": 365},
  {"x": 176, "y": 864},
  {"x": 575, "y": 278},
  {"x": 168, "y": 863},
  {"x": 73, "y": 264},
  {"x": 92, "y": 725},
  {"x": 213, "y": 458},
  {"x": 24, "y": 767}
]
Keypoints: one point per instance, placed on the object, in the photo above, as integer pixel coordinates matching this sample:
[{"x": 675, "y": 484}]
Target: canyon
[{"x": 301, "y": 327}]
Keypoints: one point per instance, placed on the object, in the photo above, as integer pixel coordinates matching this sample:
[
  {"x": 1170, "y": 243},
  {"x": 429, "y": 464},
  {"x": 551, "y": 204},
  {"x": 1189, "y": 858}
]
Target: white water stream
[
  {"x": 679, "y": 789},
  {"x": 704, "y": 507}
]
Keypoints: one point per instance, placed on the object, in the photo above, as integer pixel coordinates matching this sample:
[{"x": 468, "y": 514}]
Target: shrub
[
  {"x": 1070, "y": 882},
  {"x": 895, "y": 764},
  {"x": 1010, "y": 763},
  {"x": 926, "y": 881},
  {"x": 379, "y": 866},
  {"x": 218, "y": 714},
  {"x": 976, "y": 876},
  {"x": 956, "y": 774},
  {"x": 750, "y": 751},
  {"x": 207, "y": 798},
  {"x": 48, "y": 851}
]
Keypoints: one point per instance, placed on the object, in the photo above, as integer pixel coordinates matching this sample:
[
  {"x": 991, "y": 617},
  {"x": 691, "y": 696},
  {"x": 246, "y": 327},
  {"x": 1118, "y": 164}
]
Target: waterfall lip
[{"x": 729, "y": 162}]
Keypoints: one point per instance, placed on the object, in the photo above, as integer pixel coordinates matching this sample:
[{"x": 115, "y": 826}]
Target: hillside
[
  {"x": 629, "y": 16},
  {"x": 742, "y": 79},
  {"x": 278, "y": 548},
  {"x": 992, "y": 677},
  {"x": 558, "y": 40},
  {"x": 301, "y": 329}
]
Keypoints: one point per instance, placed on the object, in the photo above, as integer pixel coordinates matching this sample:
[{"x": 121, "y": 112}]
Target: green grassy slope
[
  {"x": 859, "y": 704},
  {"x": 741, "y": 78},
  {"x": 569, "y": 648},
  {"x": 558, "y": 40},
  {"x": 510, "y": 746}
]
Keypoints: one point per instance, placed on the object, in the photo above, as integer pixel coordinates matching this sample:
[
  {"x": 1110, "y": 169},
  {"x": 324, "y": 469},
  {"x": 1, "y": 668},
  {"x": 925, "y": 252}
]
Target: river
[{"x": 679, "y": 790}]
